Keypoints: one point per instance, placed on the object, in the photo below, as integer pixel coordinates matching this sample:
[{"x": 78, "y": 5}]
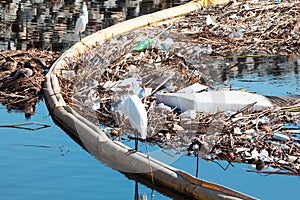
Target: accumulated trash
[
  {"x": 193, "y": 88},
  {"x": 184, "y": 108},
  {"x": 242, "y": 27},
  {"x": 143, "y": 45},
  {"x": 211, "y": 101},
  {"x": 237, "y": 126},
  {"x": 21, "y": 77}
]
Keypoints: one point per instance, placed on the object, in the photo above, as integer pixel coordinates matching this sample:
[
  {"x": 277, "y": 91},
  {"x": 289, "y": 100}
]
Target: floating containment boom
[{"x": 115, "y": 154}]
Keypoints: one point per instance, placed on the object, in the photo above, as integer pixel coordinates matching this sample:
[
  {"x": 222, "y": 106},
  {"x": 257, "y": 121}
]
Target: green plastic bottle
[{"x": 141, "y": 46}]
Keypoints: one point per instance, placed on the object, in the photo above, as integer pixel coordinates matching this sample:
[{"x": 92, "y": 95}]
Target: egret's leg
[
  {"x": 197, "y": 165},
  {"x": 80, "y": 36},
  {"x": 136, "y": 140},
  {"x": 151, "y": 171},
  {"x": 136, "y": 191},
  {"x": 136, "y": 144}
]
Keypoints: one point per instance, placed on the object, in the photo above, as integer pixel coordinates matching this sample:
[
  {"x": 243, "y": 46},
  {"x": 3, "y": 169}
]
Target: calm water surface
[
  {"x": 50, "y": 24},
  {"x": 48, "y": 164}
]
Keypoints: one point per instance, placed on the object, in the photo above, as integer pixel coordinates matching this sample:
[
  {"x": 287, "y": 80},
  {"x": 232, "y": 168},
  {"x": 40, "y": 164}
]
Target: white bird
[
  {"x": 82, "y": 21},
  {"x": 135, "y": 110}
]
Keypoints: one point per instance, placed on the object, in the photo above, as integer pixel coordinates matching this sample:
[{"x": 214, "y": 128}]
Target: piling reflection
[{"x": 50, "y": 24}]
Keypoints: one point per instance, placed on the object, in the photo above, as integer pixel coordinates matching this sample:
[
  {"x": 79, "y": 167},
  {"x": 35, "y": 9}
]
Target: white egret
[
  {"x": 135, "y": 110},
  {"x": 82, "y": 21}
]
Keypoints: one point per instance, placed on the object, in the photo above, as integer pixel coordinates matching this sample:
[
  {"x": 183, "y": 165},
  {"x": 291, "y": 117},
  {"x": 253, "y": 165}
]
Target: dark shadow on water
[{"x": 160, "y": 188}]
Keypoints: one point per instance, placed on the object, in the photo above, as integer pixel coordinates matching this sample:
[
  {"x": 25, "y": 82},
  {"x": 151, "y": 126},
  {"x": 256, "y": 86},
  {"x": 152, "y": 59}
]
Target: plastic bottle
[{"x": 141, "y": 46}]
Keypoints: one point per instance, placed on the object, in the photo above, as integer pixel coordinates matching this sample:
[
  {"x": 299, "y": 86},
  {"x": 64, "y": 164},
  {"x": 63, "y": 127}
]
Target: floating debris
[
  {"x": 254, "y": 132},
  {"x": 243, "y": 27},
  {"x": 62, "y": 148},
  {"x": 21, "y": 77},
  {"x": 255, "y": 136},
  {"x": 27, "y": 126},
  {"x": 143, "y": 45}
]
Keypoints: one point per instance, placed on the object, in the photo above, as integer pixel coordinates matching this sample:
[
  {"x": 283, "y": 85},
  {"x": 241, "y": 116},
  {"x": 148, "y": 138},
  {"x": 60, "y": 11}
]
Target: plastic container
[
  {"x": 281, "y": 137},
  {"x": 143, "y": 45}
]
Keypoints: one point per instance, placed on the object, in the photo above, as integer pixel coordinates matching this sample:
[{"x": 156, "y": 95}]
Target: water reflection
[
  {"x": 261, "y": 69},
  {"x": 50, "y": 24}
]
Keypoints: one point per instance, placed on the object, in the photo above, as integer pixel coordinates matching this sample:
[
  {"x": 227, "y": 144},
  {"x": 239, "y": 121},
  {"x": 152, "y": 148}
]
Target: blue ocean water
[{"x": 48, "y": 164}]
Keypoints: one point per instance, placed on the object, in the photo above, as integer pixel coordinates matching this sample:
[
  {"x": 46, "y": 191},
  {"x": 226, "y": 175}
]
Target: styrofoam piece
[
  {"x": 68, "y": 73},
  {"x": 189, "y": 114},
  {"x": 197, "y": 87},
  {"x": 164, "y": 107},
  {"x": 237, "y": 131},
  {"x": 108, "y": 84},
  {"x": 213, "y": 101}
]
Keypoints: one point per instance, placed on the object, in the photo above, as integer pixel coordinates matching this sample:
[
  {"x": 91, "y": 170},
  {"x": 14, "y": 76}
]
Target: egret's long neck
[{"x": 85, "y": 12}]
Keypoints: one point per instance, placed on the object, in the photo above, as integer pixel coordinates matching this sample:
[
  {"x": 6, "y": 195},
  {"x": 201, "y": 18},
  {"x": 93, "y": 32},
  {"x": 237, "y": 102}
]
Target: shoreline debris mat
[
  {"x": 22, "y": 74},
  {"x": 265, "y": 27},
  {"x": 171, "y": 59}
]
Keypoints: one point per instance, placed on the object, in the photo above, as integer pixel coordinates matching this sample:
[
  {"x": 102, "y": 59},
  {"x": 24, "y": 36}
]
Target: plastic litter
[
  {"x": 214, "y": 100},
  {"x": 192, "y": 114},
  {"x": 68, "y": 73},
  {"x": 144, "y": 92},
  {"x": 237, "y": 131},
  {"x": 164, "y": 107},
  {"x": 209, "y": 21},
  {"x": 197, "y": 87},
  {"x": 141, "y": 46},
  {"x": 279, "y": 136}
]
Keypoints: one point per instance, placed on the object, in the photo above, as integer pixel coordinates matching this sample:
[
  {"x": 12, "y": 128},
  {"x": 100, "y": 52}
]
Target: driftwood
[
  {"x": 98, "y": 80},
  {"x": 244, "y": 27},
  {"x": 243, "y": 136},
  {"x": 22, "y": 92}
]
